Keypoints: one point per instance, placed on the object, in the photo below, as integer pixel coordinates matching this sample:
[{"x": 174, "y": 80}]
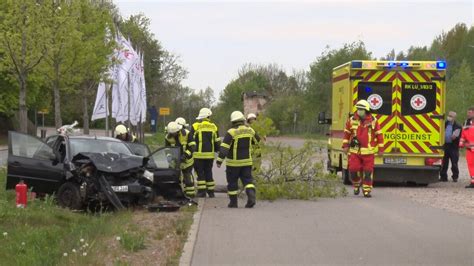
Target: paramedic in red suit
[
  {"x": 467, "y": 141},
  {"x": 362, "y": 137}
]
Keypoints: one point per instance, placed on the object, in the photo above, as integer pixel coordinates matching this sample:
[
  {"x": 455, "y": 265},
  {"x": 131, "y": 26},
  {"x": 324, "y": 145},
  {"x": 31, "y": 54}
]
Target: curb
[{"x": 188, "y": 250}]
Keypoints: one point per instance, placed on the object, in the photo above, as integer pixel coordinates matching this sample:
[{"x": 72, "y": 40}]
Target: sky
[{"x": 216, "y": 38}]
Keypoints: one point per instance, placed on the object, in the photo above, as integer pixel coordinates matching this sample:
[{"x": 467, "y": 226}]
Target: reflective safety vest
[
  {"x": 206, "y": 136},
  {"x": 185, "y": 141},
  {"x": 236, "y": 148},
  {"x": 367, "y": 133}
]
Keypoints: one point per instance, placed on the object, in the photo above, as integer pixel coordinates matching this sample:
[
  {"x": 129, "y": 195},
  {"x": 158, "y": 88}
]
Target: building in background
[{"x": 254, "y": 102}]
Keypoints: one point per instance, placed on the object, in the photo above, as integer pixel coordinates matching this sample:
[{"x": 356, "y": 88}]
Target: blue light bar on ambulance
[
  {"x": 356, "y": 64},
  {"x": 392, "y": 64},
  {"x": 441, "y": 65},
  {"x": 404, "y": 64}
]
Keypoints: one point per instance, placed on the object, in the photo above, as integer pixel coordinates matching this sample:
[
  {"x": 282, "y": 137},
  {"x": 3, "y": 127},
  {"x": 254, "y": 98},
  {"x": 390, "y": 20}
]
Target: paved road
[
  {"x": 382, "y": 230},
  {"x": 386, "y": 229}
]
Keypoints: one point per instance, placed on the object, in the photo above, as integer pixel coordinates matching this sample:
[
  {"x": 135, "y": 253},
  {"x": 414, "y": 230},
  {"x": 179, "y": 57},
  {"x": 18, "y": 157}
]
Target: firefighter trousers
[
  {"x": 361, "y": 168},
  {"x": 470, "y": 163},
  {"x": 188, "y": 182},
  {"x": 451, "y": 153},
  {"x": 233, "y": 174},
  {"x": 203, "y": 168}
]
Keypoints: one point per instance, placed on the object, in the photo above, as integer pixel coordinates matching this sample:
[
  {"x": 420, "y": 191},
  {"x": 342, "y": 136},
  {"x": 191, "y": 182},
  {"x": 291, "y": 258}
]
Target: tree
[
  {"x": 459, "y": 90},
  {"x": 63, "y": 39},
  {"x": 93, "y": 51},
  {"x": 24, "y": 45},
  {"x": 319, "y": 92}
]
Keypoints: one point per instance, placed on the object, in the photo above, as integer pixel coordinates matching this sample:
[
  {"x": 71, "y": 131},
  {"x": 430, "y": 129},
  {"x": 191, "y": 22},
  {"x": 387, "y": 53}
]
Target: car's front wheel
[{"x": 69, "y": 196}]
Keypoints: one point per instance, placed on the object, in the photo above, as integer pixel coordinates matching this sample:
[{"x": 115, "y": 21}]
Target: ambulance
[{"x": 408, "y": 100}]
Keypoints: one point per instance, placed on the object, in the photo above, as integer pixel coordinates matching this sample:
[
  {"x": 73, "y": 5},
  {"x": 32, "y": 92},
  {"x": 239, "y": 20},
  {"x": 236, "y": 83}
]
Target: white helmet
[
  {"x": 237, "y": 116},
  {"x": 181, "y": 121},
  {"x": 120, "y": 130},
  {"x": 251, "y": 116},
  {"x": 173, "y": 127},
  {"x": 204, "y": 113}
]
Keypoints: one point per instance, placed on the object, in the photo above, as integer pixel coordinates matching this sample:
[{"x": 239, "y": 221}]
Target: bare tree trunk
[
  {"x": 22, "y": 106},
  {"x": 57, "y": 99},
  {"x": 85, "y": 109}
]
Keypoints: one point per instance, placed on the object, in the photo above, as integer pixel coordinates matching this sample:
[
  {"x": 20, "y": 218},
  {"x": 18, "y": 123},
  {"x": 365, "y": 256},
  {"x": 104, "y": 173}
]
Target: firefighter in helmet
[
  {"x": 206, "y": 136},
  {"x": 122, "y": 133},
  {"x": 177, "y": 136},
  {"x": 182, "y": 122},
  {"x": 236, "y": 149},
  {"x": 362, "y": 137}
]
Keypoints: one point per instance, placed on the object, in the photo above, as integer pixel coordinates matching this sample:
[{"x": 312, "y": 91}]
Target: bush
[
  {"x": 296, "y": 174},
  {"x": 264, "y": 127}
]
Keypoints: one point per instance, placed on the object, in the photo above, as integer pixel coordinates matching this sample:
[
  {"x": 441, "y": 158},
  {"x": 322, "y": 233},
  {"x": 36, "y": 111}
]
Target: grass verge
[{"x": 45, "y": 234}]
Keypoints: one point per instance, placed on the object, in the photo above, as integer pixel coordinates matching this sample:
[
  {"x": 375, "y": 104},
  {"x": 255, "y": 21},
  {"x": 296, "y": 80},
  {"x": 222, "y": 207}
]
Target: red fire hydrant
[{"x": 21, "y": 194}]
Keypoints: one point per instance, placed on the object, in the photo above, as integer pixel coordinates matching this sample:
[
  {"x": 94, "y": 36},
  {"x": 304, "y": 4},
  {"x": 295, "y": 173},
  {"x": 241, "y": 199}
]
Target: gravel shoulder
[{"x": 449, "y": 196}]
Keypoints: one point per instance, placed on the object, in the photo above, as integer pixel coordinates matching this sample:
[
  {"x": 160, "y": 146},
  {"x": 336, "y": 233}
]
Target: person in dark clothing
[{"x": 451, "y": 148}]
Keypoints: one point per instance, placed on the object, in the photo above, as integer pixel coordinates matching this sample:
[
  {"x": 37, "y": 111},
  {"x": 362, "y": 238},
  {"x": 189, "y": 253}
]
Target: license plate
[
  {"x": 120, "y": 188},
  {"x": 395, "y": 160}
]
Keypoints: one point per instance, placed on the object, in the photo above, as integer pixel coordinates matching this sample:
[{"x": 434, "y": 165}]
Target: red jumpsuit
[
  {"x": 467, "y": 140},
  {"x": 361, "y": 158}
]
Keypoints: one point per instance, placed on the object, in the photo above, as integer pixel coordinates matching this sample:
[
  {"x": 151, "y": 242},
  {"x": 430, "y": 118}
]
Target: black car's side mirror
[{"x": 322, "y": 120}]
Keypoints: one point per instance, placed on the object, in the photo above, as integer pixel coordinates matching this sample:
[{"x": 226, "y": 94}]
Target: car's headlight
[{"x": 148, "y": 175}]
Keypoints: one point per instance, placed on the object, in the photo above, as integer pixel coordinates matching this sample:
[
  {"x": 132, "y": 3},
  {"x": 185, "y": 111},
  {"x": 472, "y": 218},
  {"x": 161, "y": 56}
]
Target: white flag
[
  {"x": 100, "y": 107},
  {"x": 122, "y": 89},
  {"x": 143, "y": 90}
]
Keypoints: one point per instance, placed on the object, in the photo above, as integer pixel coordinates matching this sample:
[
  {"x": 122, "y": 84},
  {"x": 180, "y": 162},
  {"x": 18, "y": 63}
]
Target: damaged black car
[{"x": 84, "y": 171}]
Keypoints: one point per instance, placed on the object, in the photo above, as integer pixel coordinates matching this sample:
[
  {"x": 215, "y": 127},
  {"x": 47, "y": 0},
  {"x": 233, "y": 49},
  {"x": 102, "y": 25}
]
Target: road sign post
[{"x": 164, "y": 111}]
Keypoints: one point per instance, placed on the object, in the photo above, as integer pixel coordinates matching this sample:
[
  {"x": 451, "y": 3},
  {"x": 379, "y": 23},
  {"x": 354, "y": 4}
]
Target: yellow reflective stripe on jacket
[
  {"x": 232, "y": 193},
  {"x": 363, "y": 151}
]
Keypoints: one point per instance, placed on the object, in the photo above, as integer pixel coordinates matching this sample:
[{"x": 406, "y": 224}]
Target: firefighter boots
[
  {"x": 201, "y": 193},
  {"x": 233, "y": 201},
  {"x": 251, "y": 198},
  {"x": 210, "y": 193}
]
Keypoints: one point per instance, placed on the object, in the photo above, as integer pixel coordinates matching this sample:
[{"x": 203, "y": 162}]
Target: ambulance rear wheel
[{"x": 346, "y": 177}]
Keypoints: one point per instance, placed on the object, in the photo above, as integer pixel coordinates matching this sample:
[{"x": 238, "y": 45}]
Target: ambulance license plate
[{"x": 391, "y": 160}]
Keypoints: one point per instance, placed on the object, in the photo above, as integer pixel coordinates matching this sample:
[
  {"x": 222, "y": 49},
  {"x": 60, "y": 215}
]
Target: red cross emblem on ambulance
[
  {"x": 418, "y": 102},
  {"x": 375, "y": 101}
]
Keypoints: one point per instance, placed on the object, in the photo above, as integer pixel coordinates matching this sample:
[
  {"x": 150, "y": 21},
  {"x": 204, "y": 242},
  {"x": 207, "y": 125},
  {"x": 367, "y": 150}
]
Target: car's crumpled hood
[{"x": 111, "y": 162}]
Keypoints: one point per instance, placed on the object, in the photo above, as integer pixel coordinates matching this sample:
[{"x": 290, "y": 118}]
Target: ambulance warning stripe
[
  {"x": 421, "y": 124},
  {"x": 341, "y": 77}
]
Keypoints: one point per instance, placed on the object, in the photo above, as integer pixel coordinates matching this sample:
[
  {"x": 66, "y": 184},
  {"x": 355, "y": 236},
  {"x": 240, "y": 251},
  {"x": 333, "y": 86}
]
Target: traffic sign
[
  {"x": 44, "y": 111},
  {"x": 164, "y": 111}
]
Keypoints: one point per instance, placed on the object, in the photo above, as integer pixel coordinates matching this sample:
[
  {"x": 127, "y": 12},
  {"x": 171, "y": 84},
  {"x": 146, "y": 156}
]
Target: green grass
[
  {"x": 42, "y": 233},
  {"x": 133, "y": 241},
  {"x": 156, "y": 140}
]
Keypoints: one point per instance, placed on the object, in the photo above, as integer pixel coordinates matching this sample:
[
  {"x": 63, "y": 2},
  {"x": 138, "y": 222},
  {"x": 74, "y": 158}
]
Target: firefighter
[
  {"x": 467, "y": 141},
  {"x": 180, "y": 137},
  {"x": 451, "y": 148},
  {"x": 206, "y": 136},
  {"x": 362, "y": 135},
  {"x": 122, "y": 133},
  {"x": 182, "y": 122},
  {"x": 256, "y": 149},
  {"x": 236, "y": 149}
]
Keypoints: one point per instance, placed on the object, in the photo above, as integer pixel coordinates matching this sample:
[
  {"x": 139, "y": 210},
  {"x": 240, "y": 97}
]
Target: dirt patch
[{"x": 163, "y": 236}]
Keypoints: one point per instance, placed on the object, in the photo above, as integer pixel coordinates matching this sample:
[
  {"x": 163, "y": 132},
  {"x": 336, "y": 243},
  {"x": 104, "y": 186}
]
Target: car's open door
[
  {"x": 32, "y": 160},
  {"x": 165, "y": 165}
]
